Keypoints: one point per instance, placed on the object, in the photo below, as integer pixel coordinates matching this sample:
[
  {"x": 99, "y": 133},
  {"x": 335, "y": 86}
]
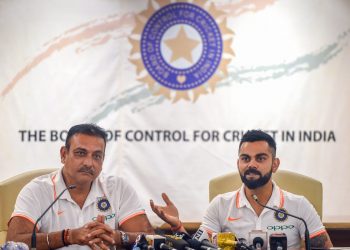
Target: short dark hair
[
  {"x": 259, "y": 135},
  {"x": 86, "y": 129}
]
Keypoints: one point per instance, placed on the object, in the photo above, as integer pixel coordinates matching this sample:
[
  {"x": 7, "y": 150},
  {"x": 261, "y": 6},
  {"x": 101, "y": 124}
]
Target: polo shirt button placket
[
  {"x": 258, "y": 223},
  {"x": 81, "y": 220}
]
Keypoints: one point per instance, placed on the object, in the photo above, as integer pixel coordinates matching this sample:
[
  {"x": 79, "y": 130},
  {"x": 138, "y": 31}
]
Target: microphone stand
[
  {"x": 33, "y": 241},
  {"x": 307, "y": 234}
]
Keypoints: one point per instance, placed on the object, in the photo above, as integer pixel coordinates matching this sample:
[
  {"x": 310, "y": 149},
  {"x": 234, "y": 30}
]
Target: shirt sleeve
[
  {"x": 312, "y": 219},
  {"x": 29, "y": 203},
  {"x": 211, "y": 219},
  {"x": 129, "y": 203}
]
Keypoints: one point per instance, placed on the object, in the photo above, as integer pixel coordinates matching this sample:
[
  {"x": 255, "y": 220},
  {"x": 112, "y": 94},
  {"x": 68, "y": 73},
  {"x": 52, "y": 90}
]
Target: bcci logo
[
  {"x": 103, "y": 204},
  {"x": 179, "y": 48},
  {"x": 281, "y": 216}
]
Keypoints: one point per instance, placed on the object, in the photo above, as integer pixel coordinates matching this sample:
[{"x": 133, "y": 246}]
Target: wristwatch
[{"x": 124, "y": 238}]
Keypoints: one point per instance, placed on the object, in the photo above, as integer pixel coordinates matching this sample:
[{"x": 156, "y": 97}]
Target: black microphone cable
[
  {"x": 307, "y": 234},
  {"x": 33, "y": 242}
]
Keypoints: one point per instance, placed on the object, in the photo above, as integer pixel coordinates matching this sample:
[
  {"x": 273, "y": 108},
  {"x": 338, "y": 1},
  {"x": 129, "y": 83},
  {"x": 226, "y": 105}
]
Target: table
[{"x": 338, "y": 229}]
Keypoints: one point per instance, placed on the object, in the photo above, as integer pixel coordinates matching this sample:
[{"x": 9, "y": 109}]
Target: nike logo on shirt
[
  {"x": 60, "y": 212},
  {"x": 232, "y": 218}
]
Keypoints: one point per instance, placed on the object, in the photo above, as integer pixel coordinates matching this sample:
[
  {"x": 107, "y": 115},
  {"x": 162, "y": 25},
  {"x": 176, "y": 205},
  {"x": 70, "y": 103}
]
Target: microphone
[
  {"x": 307, "y": 234},
  {"x": 164, "y": 246},
  {"x": 258, "y": 239},
  {"x": 278, "y": 241},
  {"x": 33, "y": 243},
  {"x": 177, "y": 242},
  {"x": 157, "y": 242},
  {"x": 200, "y": 235},
  {"x": 202, "y": 245},
  {"x": 183, "y": 235},
  {"x": 258, "y": 243},
  {"x": 199, "y": 241},
  {"x": 141, "y": 243},
  {"x": 226, "y": 240}
]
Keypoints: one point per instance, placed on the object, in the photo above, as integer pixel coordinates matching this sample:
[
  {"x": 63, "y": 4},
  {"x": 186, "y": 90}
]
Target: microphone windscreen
[
  {"x": 278, "y": 241},
  {"x": 183, "y": 236},
  {"x": 175, "y": 242},
  {"x": 225, "y": 239},
  {"x": 253, "y": 238},
  {"x": 195, "y": 244}
]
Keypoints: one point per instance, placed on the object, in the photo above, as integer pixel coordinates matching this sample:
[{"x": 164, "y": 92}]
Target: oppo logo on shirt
[
  {"x": 280, "y": 227},
  {"x": 107, "y": 217}
]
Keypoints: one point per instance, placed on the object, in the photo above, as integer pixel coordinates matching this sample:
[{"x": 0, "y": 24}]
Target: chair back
[
  {"x": 9, "y": 190},
  {"x": 287, "y": 180}
]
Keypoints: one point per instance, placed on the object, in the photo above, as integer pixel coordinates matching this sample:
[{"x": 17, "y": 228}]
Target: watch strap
[{"x": 124, "y": 238}]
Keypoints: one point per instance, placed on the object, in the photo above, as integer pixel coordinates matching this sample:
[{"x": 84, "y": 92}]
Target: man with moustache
[
  {"x": 102, "y": 212},
  {"x": 238, "y": 212}
]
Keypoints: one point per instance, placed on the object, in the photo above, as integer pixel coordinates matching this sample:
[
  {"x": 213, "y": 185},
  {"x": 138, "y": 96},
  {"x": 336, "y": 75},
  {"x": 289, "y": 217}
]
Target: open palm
[{"x": 168, "y": 213}]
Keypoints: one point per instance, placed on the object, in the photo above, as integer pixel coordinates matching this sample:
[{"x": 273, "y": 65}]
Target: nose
[
  {"x": 253, "y": 164},
  {"x": 88, "y": 161}
]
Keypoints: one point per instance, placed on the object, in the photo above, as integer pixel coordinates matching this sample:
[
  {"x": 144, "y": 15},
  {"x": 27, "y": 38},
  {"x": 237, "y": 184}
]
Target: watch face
[{"x": 124, "y": 238}]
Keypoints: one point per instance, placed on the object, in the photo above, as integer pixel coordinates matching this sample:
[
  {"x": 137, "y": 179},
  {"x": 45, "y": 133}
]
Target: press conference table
[{"x": 337, "y": 227}]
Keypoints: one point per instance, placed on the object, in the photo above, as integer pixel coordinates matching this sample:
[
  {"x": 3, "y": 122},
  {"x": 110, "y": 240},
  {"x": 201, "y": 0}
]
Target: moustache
[
  {"x": 86, "y": 169},
  {"x": 252, "y": 171}
]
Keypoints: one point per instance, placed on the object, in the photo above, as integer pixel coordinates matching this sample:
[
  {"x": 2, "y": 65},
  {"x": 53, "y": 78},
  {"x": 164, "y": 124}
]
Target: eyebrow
[
  {"x": 83, "y": 149},
  {"x": 257, "y": 155},
  {"x": 262, "y": 154},
  {"x": 76, "y": 149},
  {"x": 243, "y": 155}
]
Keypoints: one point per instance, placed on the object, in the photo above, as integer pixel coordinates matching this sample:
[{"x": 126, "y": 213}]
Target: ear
[
  {"x": 63, "y": 153},
  {"x": 275, "y": 164}
]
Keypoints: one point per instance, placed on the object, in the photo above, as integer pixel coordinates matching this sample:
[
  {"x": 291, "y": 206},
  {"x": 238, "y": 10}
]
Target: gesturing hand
[{"x": 168, "y": 213}]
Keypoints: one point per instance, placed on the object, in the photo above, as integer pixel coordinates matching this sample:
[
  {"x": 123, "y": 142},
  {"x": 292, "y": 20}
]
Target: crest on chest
[{"x": 103, "y": 204}]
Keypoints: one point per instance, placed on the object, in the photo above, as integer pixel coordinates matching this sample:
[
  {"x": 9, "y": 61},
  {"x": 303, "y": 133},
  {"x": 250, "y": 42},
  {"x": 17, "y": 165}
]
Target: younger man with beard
[{"x": 238, "y": 212}]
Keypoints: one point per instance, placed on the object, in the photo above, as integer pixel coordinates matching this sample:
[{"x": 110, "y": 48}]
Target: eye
[
  {"x": 80, "y": 153},
  {"x": 98, "y": 157},
  {"x": 261, "y": 158},
  {"x": 244, "y": 158}
]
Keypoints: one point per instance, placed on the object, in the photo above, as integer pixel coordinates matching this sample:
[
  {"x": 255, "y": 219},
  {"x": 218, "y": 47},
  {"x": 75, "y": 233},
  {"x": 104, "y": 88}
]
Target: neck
[
  {"x": 263, "y": 193},
  {"x": 81, "y": 188},
  {"x": 80, "y": 194}
]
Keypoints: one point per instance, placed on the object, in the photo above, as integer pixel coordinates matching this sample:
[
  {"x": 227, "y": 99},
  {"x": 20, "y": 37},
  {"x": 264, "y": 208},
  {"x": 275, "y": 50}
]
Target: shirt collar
[
  {"x": 276, "y": 199},
  {"x": 59, "y": 185}
]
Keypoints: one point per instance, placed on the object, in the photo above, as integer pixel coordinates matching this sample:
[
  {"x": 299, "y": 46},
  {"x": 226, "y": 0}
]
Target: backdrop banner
[{"x": 176, "y": 84}]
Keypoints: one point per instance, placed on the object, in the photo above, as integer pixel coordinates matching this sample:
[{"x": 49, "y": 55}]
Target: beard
[{"x": 253, "y": 184}]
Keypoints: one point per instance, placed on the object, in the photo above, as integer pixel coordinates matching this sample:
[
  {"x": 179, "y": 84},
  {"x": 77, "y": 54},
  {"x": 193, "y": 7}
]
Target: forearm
[
  {"x": 132, "y": 228},
  {"x": 321, "y": 241},
  {"x": 44, "y": 241}
]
